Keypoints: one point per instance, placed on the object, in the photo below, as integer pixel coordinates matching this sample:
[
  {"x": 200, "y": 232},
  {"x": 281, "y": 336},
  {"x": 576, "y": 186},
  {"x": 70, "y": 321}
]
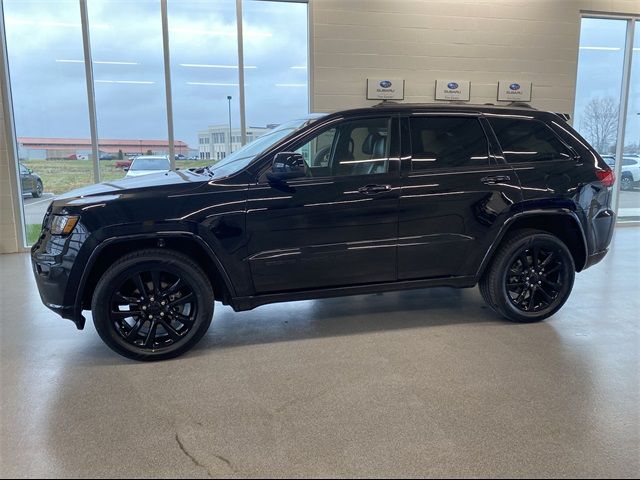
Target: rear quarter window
[{"x": 528, "y": 140}]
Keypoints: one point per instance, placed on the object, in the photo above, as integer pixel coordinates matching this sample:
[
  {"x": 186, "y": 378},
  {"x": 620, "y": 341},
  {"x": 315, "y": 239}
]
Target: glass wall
[
  {"x": 44, "y": 44},
  {"x": 275, "y": 53},
  {"x": 599, "y": 97},
  {"x": 128, "y": 72},
  {"x": 204, "y": 74},
  {"x": 51, "y": 106}
]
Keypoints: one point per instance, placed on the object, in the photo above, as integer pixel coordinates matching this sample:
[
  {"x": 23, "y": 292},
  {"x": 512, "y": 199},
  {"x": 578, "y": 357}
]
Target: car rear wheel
[
  {"x": 530, "y": 277},
  {"x": 152, "y": 305},
  {"x": 37, "y": 192},
  {"x": 626, "y": 183}
]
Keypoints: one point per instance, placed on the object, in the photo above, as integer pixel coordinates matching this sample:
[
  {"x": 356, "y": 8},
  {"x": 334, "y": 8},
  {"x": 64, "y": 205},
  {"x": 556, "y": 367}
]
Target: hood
[{"x": 172, "y": 181}]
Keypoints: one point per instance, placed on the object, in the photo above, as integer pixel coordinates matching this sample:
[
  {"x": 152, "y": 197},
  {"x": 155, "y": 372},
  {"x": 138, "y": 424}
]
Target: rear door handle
[
  {"x": 492, "y": 180},
  {"x": 374, "y": 189}
]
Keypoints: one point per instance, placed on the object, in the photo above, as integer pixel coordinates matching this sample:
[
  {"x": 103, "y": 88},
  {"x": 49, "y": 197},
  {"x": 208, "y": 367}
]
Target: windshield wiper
[{"x": 201, "y": 170}]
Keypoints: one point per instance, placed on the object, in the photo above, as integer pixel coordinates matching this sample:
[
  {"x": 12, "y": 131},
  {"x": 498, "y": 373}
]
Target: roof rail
[
  {"x": 384, "y": 103},
  {"x": 565, "y": 116},
  {"x": 522, "y": 105}
]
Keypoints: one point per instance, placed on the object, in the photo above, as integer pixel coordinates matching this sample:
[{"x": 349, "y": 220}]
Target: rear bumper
[{"x": 596, "y": 258}]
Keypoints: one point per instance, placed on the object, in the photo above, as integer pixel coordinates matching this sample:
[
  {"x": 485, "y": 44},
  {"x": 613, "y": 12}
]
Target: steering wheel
[{"x": 322, "y": 156}]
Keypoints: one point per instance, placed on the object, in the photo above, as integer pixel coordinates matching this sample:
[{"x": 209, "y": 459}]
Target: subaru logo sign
[
  {"x": 452, "y": 85},
  {"x": 514, "y": 86},
  {"x": 385, "y": 84}
]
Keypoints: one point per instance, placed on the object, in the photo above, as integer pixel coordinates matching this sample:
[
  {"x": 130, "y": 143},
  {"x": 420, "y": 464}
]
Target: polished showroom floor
[{"x": 421, "y": 383}]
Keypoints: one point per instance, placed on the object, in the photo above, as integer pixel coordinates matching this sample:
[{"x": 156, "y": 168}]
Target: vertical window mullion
[{"x": 91, "y": 97}]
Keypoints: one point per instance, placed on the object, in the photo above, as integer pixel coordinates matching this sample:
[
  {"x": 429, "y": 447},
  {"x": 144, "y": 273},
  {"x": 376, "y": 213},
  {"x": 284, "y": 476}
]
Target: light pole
[{"x": 229, "y": 99}]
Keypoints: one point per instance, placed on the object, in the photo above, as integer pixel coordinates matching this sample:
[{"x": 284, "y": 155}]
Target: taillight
[{"x": 607, "y": 177}]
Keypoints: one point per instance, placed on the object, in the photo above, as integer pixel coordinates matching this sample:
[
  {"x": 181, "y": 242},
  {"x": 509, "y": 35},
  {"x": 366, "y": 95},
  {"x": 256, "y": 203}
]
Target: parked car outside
[
  {"x": 362, "y": 201},
  {"x": 148, "y": 164},
  {"x": 629, "y": 172},
  {"x": 107, "y": 156},
  {"x": 31, "y": 182}
]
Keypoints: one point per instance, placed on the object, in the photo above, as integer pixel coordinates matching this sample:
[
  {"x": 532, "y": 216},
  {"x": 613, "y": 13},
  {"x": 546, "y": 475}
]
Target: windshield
[
  {"x": 243, "y": 157},
  {"x": 159, "y": 163}
]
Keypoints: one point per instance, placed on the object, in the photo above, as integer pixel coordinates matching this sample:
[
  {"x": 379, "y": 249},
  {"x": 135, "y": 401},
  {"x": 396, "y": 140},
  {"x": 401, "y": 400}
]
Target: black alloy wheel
[
  {"x": 536, "y": 278},
  {"x": 152, "y": 305},
  {"x": 153, "y": 309},
  {"x": 530, "y": 277}
]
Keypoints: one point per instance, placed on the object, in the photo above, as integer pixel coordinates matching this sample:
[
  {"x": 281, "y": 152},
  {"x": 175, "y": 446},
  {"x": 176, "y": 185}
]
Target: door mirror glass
[{"x": 287, "y": 165}]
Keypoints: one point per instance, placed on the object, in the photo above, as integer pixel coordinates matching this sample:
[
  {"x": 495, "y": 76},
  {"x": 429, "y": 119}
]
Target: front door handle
[
  {"x": 374, "y": 189},
  {"x": 492, "y": 180}
]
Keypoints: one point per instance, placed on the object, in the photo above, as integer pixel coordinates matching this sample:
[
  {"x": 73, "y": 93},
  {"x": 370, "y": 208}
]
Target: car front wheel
[
  {"x": 37, "y": 192},
  {"x": 152, "y": 305},
  {"x": 530, "y": 277},
  {"x": 626, "y": 183}
]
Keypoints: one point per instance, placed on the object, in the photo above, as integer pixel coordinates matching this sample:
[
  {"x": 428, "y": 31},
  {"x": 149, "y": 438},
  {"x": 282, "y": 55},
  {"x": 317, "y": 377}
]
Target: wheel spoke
[
  {"x": 524, "y": 260},
  {"x": 124, "y": 313},
  {"x": 137, "y": 279},
  {"x": 151, "y": 335},
  {"x": 532, "y": 296},
  {"x": 521, "y": 296},
  {"x": 173, "y": 288},
  {"x": 155, "y": 280},
  {"x": 133, "y": 333},
  {"x": 515, "y": 284},
  {"x": 556, "y": 286},
  {"x": 172, "y": 332},
  {"x": 181, "y": 318},
  {"x": 553, "y": 269},
  {"x": 182, "y": 300},
  {"x": 547, "y": 260},
  {"x": 544, "y": 292},
  {"x": 535, "y": 256},
  {"x": 124, "y": 300}
]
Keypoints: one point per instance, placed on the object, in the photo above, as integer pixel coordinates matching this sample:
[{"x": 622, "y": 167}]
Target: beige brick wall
[
  {"x": 8, "y": 229},
  {"x": 422, "y": 40}
]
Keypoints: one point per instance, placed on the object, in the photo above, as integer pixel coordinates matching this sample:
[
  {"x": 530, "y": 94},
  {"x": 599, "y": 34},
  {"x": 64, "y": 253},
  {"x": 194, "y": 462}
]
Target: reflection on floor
[{"x": 422, "y": 383}]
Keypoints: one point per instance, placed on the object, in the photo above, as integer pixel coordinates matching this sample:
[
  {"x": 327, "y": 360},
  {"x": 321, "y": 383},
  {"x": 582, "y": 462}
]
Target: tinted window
[
  {"x": 358, "y": 147},
  {"x": 628, "y": 162},
  {"x": 527, "y": 140},
  {"x": 447, "y": 142}
]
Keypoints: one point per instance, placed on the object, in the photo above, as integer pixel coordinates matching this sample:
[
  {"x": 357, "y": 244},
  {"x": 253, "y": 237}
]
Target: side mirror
[
  {"x": 126, "y": 169},
  {"x": 287, "y": 165},
  {"x": 30, "y": 170}
]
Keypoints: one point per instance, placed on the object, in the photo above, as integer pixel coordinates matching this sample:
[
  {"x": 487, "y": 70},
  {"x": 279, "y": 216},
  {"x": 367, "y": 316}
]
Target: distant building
[
  {"x": 214, "y": 142},
  {"x": 73, "y": 148}
]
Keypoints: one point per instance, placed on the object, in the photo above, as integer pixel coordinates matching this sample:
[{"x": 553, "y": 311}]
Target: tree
[{"x": 599, "y": 122}]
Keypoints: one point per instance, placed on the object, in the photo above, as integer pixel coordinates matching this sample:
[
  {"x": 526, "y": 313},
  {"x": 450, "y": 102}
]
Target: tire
[
  {"x": 517, "y": 291},
  {"x": 152, "y": 304},
  {"x": 626, "y": 183},
  {"x": 37, "y": 193}
]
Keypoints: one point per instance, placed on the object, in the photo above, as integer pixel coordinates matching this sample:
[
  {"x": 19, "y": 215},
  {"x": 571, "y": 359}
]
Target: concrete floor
[{"x": 422, "y": 383}]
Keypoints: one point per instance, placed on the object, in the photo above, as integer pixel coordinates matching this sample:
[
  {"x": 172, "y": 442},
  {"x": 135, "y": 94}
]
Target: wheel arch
[
  {"x": 564, "y": 224},
  {"x": 186, "y": 243}
]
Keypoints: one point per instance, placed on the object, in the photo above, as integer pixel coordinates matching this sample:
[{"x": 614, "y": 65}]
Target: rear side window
[
  {"x": 446, "y": 142},
  {"x": 527, "y": 140}
]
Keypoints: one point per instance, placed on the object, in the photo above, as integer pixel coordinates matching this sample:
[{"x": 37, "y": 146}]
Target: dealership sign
[
  {"x": 514, "y": 91},
  {"x": 453, "y": 90},
  {"x": 385, "y": 89}
]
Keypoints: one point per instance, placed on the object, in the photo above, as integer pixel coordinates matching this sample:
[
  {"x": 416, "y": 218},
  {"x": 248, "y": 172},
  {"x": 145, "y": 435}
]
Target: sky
[{"x": 44, "y": 42}]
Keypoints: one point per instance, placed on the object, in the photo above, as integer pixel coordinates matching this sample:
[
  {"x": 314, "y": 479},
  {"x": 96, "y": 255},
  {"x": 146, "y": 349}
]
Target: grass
[
  {"x": 33, "y": 232},
  {"x": 60, "y": 176}
]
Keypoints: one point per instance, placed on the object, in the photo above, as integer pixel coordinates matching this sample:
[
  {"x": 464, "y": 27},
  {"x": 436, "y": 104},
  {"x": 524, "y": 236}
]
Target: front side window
[
  {"x": 447, "y": 142},
  {"x": 357, "y": 147},
  {"x": 527, "y": 140}
]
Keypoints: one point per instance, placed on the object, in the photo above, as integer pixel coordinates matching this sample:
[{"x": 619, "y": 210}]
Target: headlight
[{"x": 63, "y": 224}]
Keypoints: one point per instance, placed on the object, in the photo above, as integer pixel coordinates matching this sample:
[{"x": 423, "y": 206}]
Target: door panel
[
  {"x": 453, "y": 193},
  {"x": 327, "y": 231}
]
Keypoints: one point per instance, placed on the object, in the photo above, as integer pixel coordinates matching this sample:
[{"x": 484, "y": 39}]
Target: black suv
[{"x": 361, "y": 201}]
